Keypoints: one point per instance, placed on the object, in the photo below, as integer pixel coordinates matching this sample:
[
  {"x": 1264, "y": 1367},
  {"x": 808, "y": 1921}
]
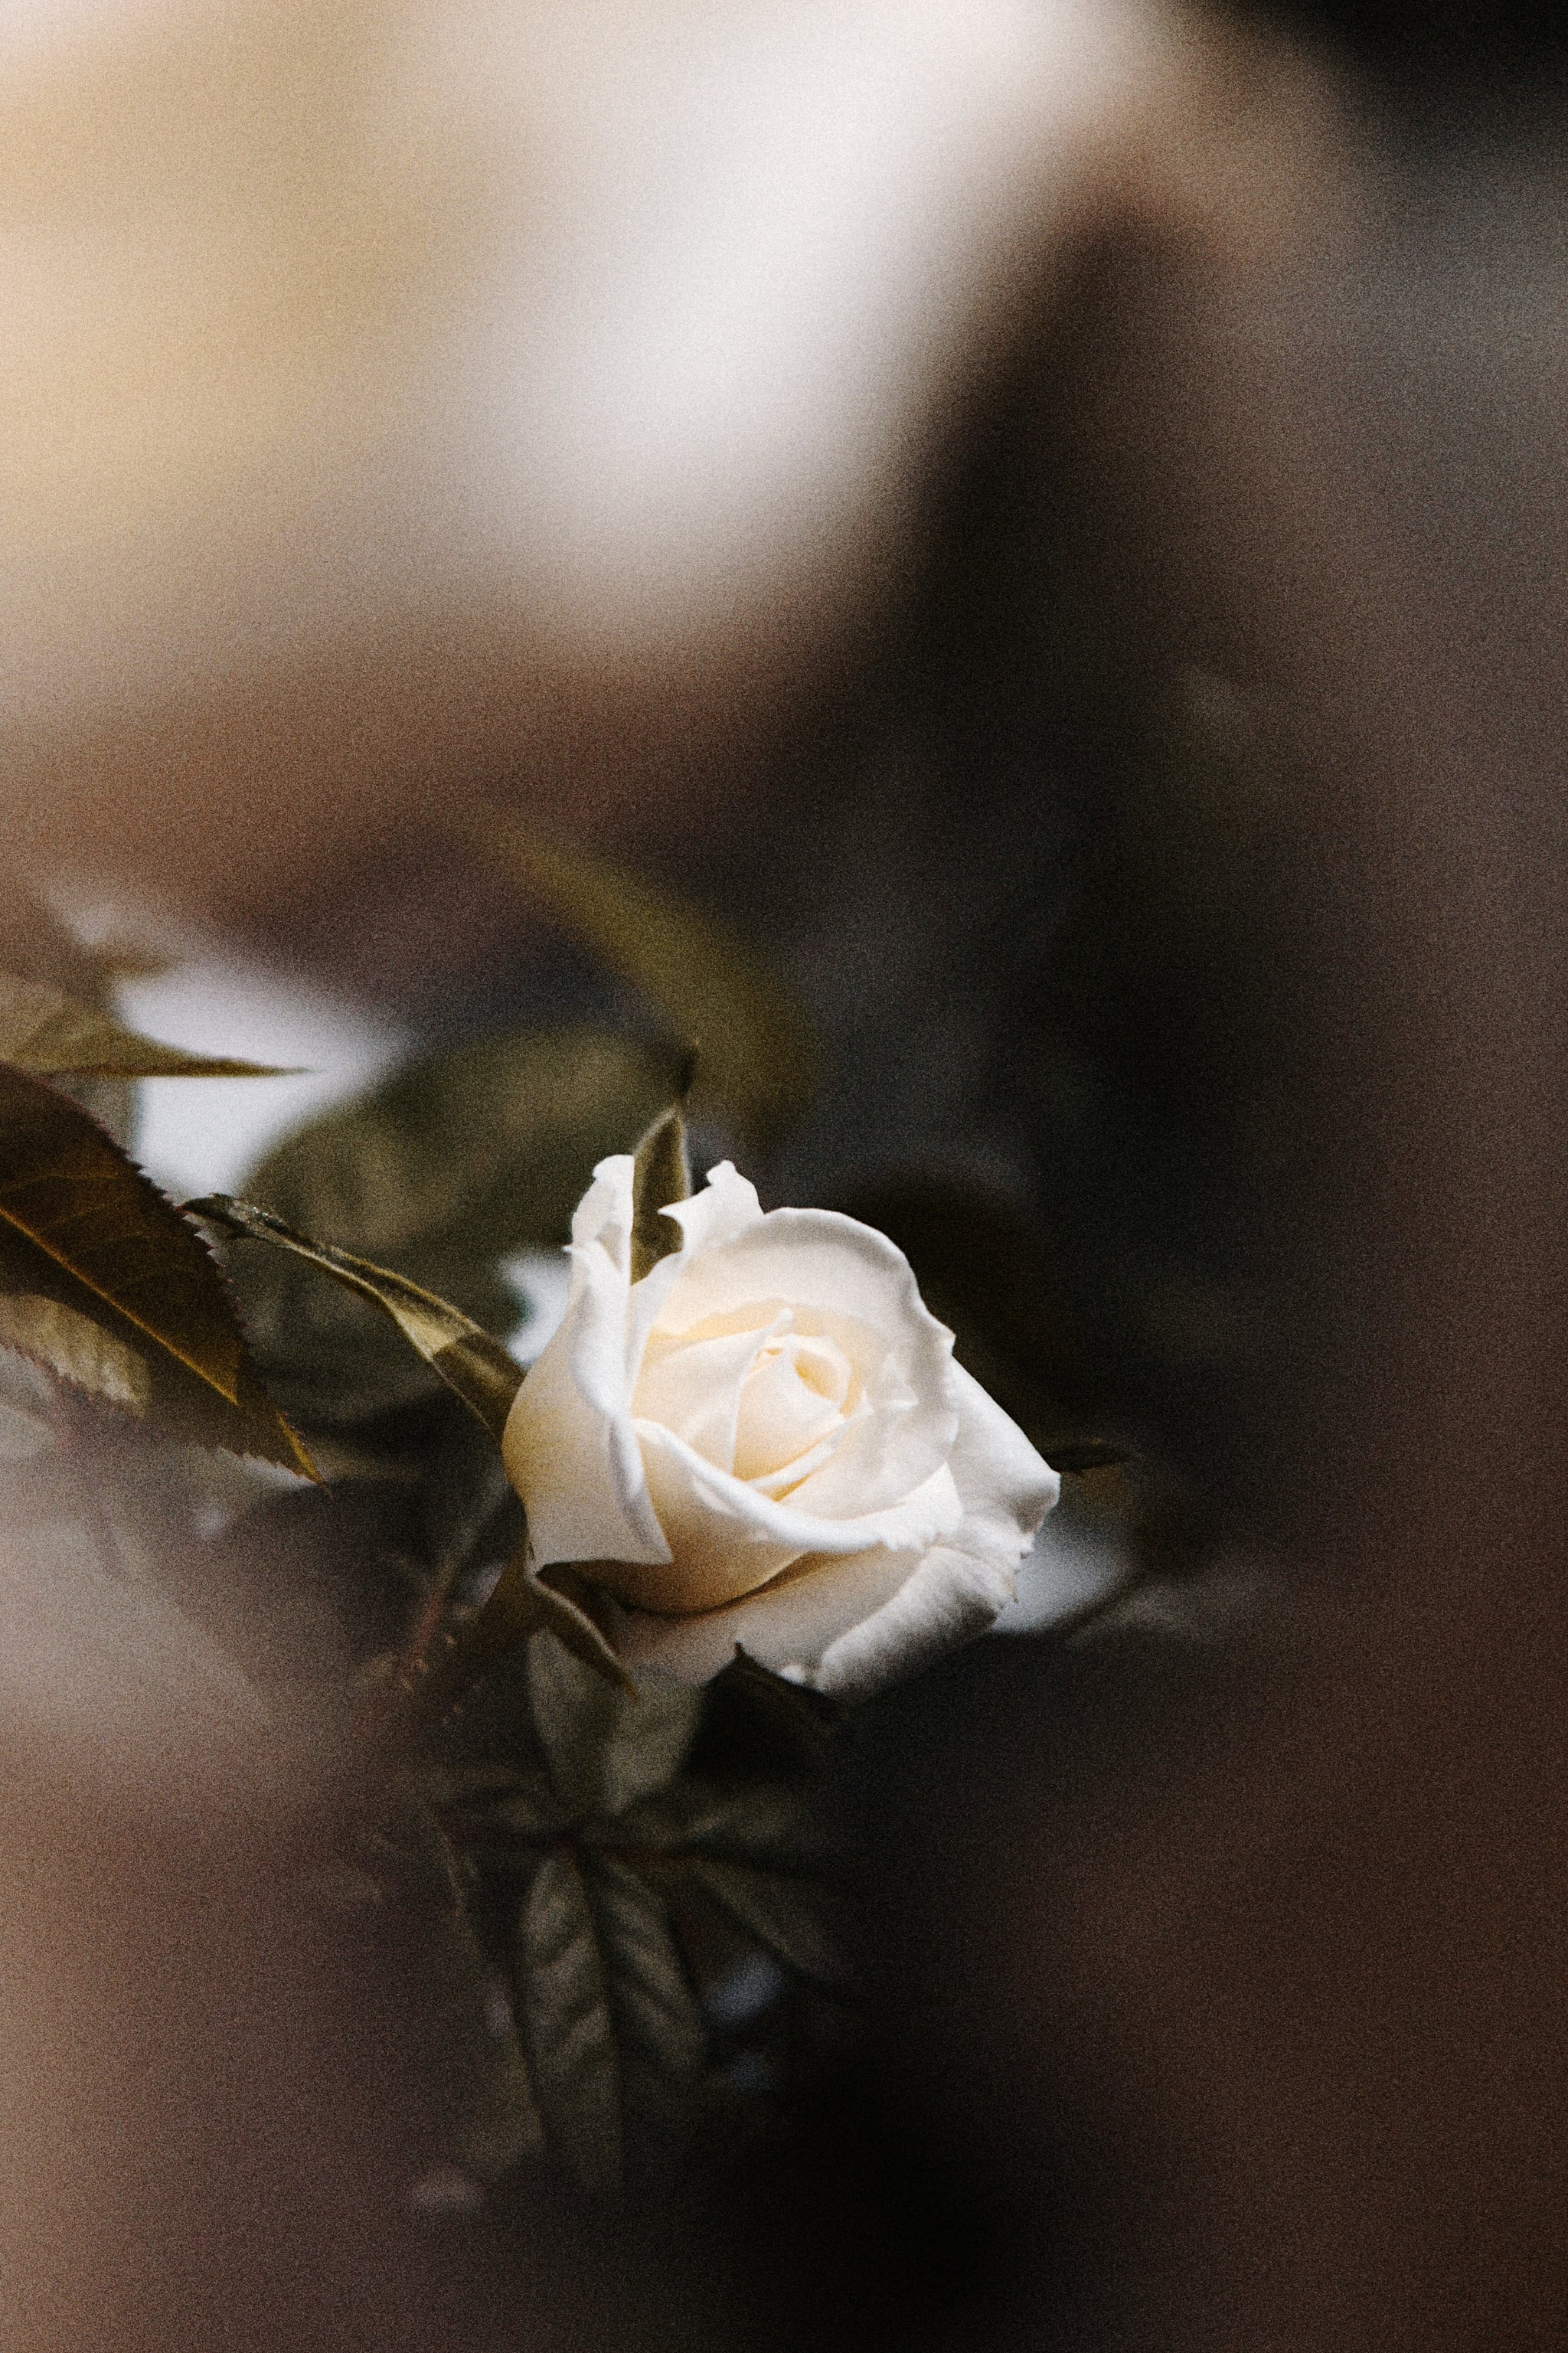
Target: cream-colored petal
[
  {"x": 726, "y": 1539},
  {"x": 950, "y": 1597},
  {"x": 569, "y": 1446},
  {"x": 851, "y": 1625},
  {"x": 815, "y": 1257},
  {"x": 1006, "y": 1486},
  {"x": 694, "y": 1389},
  {"x": 790, "y": 1402},
  {"x": 786, "y": 1627},
  {"x": 856, "y": 1288},
  {"x": 726, "y": 1208}
]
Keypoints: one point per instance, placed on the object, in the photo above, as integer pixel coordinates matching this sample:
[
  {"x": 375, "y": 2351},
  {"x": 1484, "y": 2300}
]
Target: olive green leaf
[
  {"x": 757, "y": 1055},
  {"x": 36, "y": 944},
  {"x": 494, "y": 2119},
  {"x": 764, "y": 1825},
  {"x": 606, "y": 1747},
  {"x": 473, "y": 1364},
  {"x": 785, "y": 1915},
  {"x": 652, "y": 2004},
  {"x": 523, "y": 1601},
  {"x": 661, "y": 1175},
  {"x": 456, "y": 1163},
  {"x": 45, "y": 1033},
  {"x": 103, "y": 1280},
  {"x": 564, "y": 2013}
]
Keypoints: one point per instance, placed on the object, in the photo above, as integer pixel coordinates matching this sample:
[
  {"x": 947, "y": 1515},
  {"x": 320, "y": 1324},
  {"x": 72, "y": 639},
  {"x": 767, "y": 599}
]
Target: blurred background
[{"x": 1048, "y": 515}]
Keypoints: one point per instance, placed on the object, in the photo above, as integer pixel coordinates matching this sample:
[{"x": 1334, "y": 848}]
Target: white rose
[{"x": 766, "y": 1441}]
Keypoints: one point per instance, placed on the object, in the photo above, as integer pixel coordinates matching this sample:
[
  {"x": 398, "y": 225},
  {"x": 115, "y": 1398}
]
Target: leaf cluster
[
  {"x": 102, "y": 1281},
  {"x": 612, "y": 1879},
  {"x": 463, "y": 1159}
]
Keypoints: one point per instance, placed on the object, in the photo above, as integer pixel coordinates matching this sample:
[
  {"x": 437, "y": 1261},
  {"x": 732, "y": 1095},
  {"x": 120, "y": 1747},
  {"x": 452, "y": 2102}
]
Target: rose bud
[{"x": 766, "y": 1441}]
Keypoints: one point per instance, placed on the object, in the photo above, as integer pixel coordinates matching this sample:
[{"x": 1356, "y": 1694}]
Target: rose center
[{"x": 792, "y": 1397}]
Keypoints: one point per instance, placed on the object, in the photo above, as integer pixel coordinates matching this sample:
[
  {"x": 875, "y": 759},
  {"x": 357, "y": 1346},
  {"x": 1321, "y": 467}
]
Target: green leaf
[
  {"x": 785, "y": 1915},
  {"x": 473, "y": 1364},
  {"x": 456, "y": 1163},
  {"x": 45, "y": 1033},
  {"x": 606, "y": 1747},
  {"x": 493, "y": 2117},
  {"x": 103, "y": 1281},
  {"x": 761, "y": 1824},
  {"x": 38, "y": 946},
  {"x": 523, "y": 1601},
  {"x": 564, "y": 2012},
  {"x": 652, "y": 2004},
  {"x": 661, "y": 1175},
  {"x": 757, "y": 1054}
]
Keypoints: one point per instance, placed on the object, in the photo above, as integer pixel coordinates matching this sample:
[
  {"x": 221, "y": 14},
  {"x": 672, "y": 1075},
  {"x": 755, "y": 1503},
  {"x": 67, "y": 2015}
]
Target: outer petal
[
  {"x": 727, "y": 1539},
  {"x": 961, "y": 1585},
  {"x": 951, "y": 1596},
  {"x": 787, "y": 1626},
  {"x": 1006, "y": 1486},
  {"x": 569, "y": 1446},
  {"x": 849, "y": 1626},
  {"x": 726, "y": 1208}
]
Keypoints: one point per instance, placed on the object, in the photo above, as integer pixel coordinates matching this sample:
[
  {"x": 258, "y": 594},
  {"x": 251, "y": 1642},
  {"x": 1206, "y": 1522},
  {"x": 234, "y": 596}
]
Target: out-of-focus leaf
[
  {"x": 531, "y": 1809},
  {"x": 661, "y": 1175},
  {"x": 564, "y": 2010},
  {"x": 1077, "y": 1455},
  {"x": 468, "y": 1359},
  {"x": 453, "y": 1165},
  {"x": 762, "y": 1824},
  {"x": 38, "y": 946},
  {"x": 494, "y": 2117},
  {"x": 652, "y": 2003},
  {"x": 48, "y": 1034},
  {"x": 105, "y": 1283},
  {"x": 757, "y": 1054},
  {"x": 606, "y": 1747},
  {"x": 785, "y": 1915}
]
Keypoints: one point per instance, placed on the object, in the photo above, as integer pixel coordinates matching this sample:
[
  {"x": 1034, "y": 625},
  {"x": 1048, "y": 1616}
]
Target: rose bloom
[{"x": 766, "y": 1441}]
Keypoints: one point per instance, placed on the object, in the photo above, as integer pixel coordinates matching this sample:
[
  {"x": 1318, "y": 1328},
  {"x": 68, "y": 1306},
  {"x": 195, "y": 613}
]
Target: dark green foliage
[
  {"x": 452, "y": 1166},
  {"x": 474, "y": 1367},
  {"x": 756, "y": 1056},
  {"x": 661, "y": 1175},
  {"x": 614, "y": 1877}
]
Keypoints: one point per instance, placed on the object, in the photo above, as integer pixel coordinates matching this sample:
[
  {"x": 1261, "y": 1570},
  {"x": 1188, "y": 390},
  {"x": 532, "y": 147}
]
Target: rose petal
[
  {"x": 962, "y": 1585},
  {"x": 950, "y": 1597},
  {"x": 792, "y": 1400},
  {"x": 1006, "y": 1486},
  {"x": 849, "y": 1276},
  {"x": 693, "y": 1387},
  {"x": 850, "y": 1625},
  {"x": 569, "y": 1446},
  {"x": 726, "y": 1208},
  {"x": 726, "y": 1539},
  {"x": 786, "y": 1627}
]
